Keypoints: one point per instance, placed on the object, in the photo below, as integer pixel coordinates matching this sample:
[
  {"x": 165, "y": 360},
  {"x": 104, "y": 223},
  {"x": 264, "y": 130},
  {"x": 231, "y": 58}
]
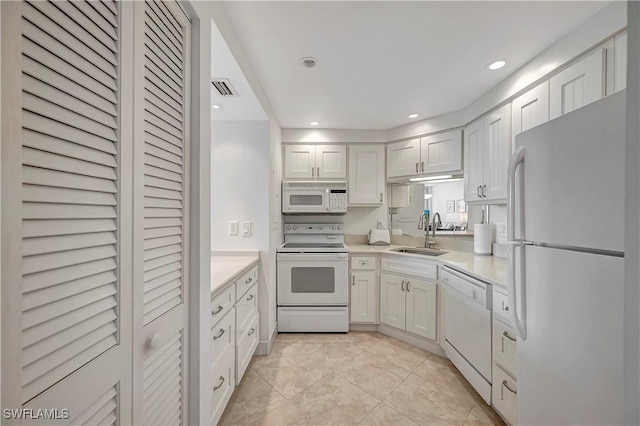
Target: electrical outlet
[
  {"x": 233, "y": 228},
  {"x": 246, "y": 229}
]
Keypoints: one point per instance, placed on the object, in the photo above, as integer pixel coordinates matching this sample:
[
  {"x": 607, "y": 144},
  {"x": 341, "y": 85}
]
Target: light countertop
[
  {"x": 486, "y": 268},
  {"x": 225, "y": 268}
]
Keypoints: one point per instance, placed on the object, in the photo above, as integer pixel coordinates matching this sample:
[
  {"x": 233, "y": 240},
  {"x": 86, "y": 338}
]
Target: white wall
[
  {"x": 359, "y": 220},
  {"x": 240, "y": 171}
]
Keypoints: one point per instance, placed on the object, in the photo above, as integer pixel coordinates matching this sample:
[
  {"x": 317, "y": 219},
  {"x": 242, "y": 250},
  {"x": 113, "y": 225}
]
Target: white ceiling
[
  {"x": 244, "y": 107},
  {"x": 380, "y": 61}
]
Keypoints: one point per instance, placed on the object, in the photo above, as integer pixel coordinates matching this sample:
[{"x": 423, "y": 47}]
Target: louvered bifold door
[
  {"x": 65, "y": 330},
  {"x": 160, "y": 212}
]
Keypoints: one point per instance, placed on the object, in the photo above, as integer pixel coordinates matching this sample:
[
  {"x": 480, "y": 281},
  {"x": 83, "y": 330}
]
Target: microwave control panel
[{"x": 338, "y": 201}]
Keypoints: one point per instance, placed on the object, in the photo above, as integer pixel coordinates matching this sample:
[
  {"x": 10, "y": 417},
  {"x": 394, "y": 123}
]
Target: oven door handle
[{"x": 310, "y": 257}]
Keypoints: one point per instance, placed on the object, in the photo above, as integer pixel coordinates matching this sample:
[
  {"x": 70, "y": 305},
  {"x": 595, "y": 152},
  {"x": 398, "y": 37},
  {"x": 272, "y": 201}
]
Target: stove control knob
[
  {"x": 333, "y": 227},
  {"x": 288, "y": 227},
  {"x": 339, "y": 227},
  {"x": 321, "y": 228},
  {"x": 295, "y": 227}
]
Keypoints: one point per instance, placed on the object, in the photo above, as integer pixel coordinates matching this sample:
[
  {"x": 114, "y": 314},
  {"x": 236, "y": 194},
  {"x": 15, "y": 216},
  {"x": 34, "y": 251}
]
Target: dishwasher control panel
[{"x": 473, "y": 289}]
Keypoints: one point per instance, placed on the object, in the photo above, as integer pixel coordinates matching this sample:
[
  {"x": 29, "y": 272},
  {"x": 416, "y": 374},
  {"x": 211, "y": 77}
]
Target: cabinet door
[
  {"x": 441, "y": 153},
  {"x": 331, "y": 161},
  {"x": 530, "y": 110},
  {"x": 363, "y": 297},
  {"x": 473, "y": 161},
  {"x": 392, "y": 303},
  {"x": 366, "y": 174},
  {"x": 578, "y": 85},
  {"x": 620, "y": 53},
  {"x": 161, "y": 211},
  {"x": 497, "y": 153},
  {"x": 421, "y": 308},
  {"x": 403, "y": 158},
  {"x": 299, "y": 161},
  {"x": 66, "y": 221}
]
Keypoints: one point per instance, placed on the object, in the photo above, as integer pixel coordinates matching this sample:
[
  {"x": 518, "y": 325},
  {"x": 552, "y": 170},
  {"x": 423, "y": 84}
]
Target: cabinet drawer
[
  {"x": 223, "y": 336},
  {"x": 245, "y": 282},
  {"x": 246, "y": 308},
  {"x": 416, "y": 268},
  {"x": 504, "y": 396},
  {"x": 222, "y": 303},
  {"x": 246, "y": 346},
  {"x": 504, "y": 346},
  {"x": 501, "y": 306},
  {"x": 224, "y": 375},
  {"x": 363, "y": 262}
]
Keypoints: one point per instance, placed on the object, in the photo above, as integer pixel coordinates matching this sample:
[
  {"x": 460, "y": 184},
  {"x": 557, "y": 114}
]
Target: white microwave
[{"x": 314, "y": 197}]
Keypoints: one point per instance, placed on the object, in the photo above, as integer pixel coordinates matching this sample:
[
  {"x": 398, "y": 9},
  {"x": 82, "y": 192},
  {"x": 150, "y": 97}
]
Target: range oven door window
[{"x": 309, "y": 279}]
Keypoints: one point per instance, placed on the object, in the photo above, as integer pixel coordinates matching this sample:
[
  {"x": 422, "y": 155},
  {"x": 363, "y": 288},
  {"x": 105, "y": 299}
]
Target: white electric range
[{"x": 313, "y": 279}]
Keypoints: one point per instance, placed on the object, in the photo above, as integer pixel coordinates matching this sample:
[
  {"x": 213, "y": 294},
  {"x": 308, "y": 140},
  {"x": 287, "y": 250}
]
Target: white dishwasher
[{"x": 467, "y": 328}]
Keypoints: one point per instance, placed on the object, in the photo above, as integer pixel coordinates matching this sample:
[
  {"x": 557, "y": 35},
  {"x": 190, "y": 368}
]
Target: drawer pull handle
[
  {"x": 215, "y": 388},
  {"x": 219, "y": 335},
  {"x": 248, "y": 280},
  {"x": 253, "y": 330},
  {"x": 506, "y": 308},
  {"x": 506, "y": 385},
  {"x": 217, "y": 311},
  {"x": 505, "y": 334},
  {"x": 250, "y": 297}
]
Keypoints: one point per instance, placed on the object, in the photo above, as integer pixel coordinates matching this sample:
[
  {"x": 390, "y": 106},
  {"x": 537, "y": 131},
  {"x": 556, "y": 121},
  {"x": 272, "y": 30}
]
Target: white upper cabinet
[
  {"x": 366, "y": 174},
  {"x": 530, "y": 110},
  {"x": 487, "y": 153},
  {"x": 474, "y": 160},
  {"x": 497, "y": 153},
  {"x": 403, "y": 158},
  {"x": 300, "y": 161},
  {"x": 331, "y": 161},
  {"x": 431, "y": 154},
  {"x": 315, "y": 161},
  {"x": 620, "y": 73},
  {"x": 441, "y": 153},
  {"x": 578, "y": 85}
]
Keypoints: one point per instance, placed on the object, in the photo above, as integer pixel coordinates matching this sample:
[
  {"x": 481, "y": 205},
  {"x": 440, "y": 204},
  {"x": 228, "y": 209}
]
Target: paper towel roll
[{"x": 482, "y": 238}]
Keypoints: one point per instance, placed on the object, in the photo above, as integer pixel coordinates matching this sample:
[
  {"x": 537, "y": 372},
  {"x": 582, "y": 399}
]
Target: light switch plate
[
  {"x": 246, "y": 229},
  {"x": 501, "y": 233},
  {"x": 233, "y": 228}
]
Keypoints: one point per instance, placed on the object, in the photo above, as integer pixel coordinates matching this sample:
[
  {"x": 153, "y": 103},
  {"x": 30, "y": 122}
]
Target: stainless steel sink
[{"x": 420, "y": 250}]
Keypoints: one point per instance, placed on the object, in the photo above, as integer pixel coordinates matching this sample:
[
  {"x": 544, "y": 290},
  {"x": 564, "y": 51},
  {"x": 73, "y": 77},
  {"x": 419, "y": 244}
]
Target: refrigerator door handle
[{"x": 512, "y": 283}]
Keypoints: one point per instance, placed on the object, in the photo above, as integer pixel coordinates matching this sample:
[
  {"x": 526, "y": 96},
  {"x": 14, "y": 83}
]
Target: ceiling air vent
[{"x": 224, "y": 87}]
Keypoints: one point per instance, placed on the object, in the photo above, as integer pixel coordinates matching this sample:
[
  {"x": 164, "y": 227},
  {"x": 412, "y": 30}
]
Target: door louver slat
[
  {"x": 70, "y": 195},
  {"x": 162, "y": 379},
  {"x": 164, "y": 161},
  {"x": 102, "y": 411}
]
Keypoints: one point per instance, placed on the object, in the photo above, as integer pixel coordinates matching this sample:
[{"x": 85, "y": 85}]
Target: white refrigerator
[{"x": 566, "y": 266}]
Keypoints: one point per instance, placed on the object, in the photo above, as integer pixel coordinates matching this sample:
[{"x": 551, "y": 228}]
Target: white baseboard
[
  {"x": 410, "y": 339},
  {"x": 265, "y": 346},
  {"x": 363, "y": 327}
]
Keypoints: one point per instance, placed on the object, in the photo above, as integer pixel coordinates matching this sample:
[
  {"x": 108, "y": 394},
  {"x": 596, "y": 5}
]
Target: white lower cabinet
[
  {"x": 406, "y": 302},
  {"x": 363, "y": 302},
  {"x": 234, "y": 334},
  {"x": 504, "y": 387}
]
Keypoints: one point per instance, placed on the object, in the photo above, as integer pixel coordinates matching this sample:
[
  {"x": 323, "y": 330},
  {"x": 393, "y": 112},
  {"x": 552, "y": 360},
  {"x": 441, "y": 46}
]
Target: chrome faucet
[
  {"x": 423, "y": 223},
  {"x": 435, "y": 224}
]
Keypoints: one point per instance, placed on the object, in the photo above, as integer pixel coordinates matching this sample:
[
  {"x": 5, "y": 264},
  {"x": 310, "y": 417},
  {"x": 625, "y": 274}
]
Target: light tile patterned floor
[{"x": 357, "y": 378}]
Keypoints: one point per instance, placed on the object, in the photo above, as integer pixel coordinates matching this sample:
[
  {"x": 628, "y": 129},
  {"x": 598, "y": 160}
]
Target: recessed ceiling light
[
  {"x": 413, "y": 115},
  {"x": 496, "y": 65},
  {"x": 314, "y": 123},
  {"x": 309, "y": 62},
  {"x": 216, "y": 106}
]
